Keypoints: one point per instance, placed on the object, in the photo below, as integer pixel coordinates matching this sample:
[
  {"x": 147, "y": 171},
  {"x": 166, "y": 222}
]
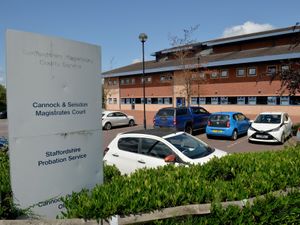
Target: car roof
[
  {"x": 224, "y": 113},
  {"x": 159, "y": 132},
  {"x": 272, "y": 113}
]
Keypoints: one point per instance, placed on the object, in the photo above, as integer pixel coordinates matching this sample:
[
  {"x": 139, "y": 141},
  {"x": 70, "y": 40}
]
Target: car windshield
[
  {"x": 219, "y": 117},
  {"x": 103, "y": 114},
  {"x": 189, "y": 146},
  {"x": 268, "y": 118}
]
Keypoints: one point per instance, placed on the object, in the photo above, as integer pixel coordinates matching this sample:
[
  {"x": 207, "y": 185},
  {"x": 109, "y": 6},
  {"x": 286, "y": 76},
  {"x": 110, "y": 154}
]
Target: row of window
[
  {"x": 251, "y": 100},
  {"x": 224, "y": 73},
  {"x": 239, "y": 100}
]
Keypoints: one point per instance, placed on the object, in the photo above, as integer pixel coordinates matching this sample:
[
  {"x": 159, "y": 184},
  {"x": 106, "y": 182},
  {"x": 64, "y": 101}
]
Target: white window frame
[
  {"x": 284, "y": 100},
  {"x": 250, "y": 69},
  {"x": 240, "y": 100},
  {"x": 227, "y": 74},
  {"x": 214, "y": 100},
  {"x": 271, "y": 73},
  {"x": 252, "y": 100},
  {"x": 271, "y": 100},
  {"x": 241, "y": 69}
]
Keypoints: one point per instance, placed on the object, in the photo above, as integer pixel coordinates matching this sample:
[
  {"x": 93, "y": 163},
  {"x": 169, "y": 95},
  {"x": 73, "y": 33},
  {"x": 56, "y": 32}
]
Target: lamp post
[
  {"x": 198, "y": 81},
  {"x": 143, "y": 37}
]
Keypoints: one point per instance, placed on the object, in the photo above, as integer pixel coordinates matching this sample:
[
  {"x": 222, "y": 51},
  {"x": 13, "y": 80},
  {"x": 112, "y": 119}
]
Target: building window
[
  {"x": 252, "y": 71},
  {"x": 241, "y": 100},
  {"x": 122, "y": 100},
  {"x": 194, "y": 101},
  {"x": 115, "y": 82},
  {"x": 166, "y": 77},
  {"x": 149, "y": 101},
  {"x": 147, "y": 79},
  {"x": 271, "y": 70},
  {"x": 271, "y": 100},
  {"x": 252, "y": 100},
  {"x": 127, "y": 100},
  {"x": 202, "y": 101},
  {"x": 202, "y": 75},
  {"x": 240, "y": 72},
  {"x": 122, "y": 81},
  {"x": 224, "y": 74},
  {"x": 214, "y": 100},
  {"x": 110, "y": 82},
  {"x": 110, "y": 101},
  {"x": 214, "y": 75},
  {"x": 160, "y": 101},
  {"x": 285, "y": 68},
  {"x": 127, "y": 81},
  {"x": 284, "y": 100},
  {"x": 115, "y": 101},
  {"x": 132, "y": 80},
  {"x": 224, "y": 100}
]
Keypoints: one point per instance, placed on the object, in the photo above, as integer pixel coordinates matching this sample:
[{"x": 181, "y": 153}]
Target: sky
[{"x": 116, "y": 24}]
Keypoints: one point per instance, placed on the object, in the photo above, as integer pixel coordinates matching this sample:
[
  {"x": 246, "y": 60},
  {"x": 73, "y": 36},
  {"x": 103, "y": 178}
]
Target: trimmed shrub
[{"x": 234, "y": 177}]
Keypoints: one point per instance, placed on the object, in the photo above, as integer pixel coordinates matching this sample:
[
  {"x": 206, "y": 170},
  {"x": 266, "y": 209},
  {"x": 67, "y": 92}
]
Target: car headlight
[{"x": 251, "y": 128}]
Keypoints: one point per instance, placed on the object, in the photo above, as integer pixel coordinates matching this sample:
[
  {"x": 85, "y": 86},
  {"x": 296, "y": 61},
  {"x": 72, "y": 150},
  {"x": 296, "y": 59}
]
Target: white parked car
[
  {"x": 157, "y": 147},
  {"x": 270, "y": 127},
  {"x": 116, "y": 118}
]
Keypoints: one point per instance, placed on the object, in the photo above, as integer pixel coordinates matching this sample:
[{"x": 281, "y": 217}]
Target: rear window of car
[
  {"x": 165, "y": 112},
  {"x": 219, "y": 117}
]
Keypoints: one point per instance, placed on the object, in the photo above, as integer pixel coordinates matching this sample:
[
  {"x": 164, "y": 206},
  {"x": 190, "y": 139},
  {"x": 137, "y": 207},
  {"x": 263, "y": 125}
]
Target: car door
[
  {"x": 243, "y": 123},
  {"x": 152, "y": 153},
  {"x": 121, "y": 118},
  {"x": 125, "y": 155}
]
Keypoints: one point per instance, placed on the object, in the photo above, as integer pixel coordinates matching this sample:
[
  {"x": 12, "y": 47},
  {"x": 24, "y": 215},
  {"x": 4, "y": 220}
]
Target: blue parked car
[
  {"x": 227, "y": 124},
  {"x": 186, "y": 119}
]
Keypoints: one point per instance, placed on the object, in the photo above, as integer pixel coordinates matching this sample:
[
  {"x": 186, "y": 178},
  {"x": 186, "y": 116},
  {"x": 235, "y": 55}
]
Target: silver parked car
[{"x": 116, "y": 118}]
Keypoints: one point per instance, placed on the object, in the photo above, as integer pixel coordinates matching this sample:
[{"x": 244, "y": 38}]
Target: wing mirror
[{"x": 170, "y": 159}]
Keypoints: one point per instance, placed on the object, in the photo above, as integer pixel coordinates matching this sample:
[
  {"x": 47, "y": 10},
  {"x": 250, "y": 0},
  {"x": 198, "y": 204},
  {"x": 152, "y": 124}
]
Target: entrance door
[{"x": 180, "y": 102}]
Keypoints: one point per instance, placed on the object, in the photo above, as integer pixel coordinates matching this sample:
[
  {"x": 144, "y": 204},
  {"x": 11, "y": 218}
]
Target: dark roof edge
[{"x": 210, "y": 64}]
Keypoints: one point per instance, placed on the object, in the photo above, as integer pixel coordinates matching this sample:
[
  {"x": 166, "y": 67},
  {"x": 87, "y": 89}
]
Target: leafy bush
[
  {"x": 7, "y": 208},
  {"x": 271, "y": 210},
  {"x": 295, "y": 128},
  {"x": 110, "y": 172},
  {"x": 234, "y": 177}
]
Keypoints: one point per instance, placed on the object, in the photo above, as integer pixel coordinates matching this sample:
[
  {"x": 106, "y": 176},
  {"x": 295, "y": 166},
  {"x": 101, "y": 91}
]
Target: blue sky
[{"x": 116, "y": 24}]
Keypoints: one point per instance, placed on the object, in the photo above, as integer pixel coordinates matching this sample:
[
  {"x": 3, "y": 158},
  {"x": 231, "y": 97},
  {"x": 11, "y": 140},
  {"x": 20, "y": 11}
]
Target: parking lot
[{"x": 240, "y": 145}]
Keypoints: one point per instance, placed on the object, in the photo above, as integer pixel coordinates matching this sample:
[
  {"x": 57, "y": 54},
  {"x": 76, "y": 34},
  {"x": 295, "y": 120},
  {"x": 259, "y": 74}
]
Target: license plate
[
  {"x": 262, "y": 136},
  {"x": 217, "y": 131}
]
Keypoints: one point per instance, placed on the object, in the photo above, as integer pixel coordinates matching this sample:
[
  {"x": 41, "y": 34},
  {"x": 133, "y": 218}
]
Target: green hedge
[
  {"x": 234, "y": 177},
  {"x": 271, "y": 210},
  {"x": 7, "y": 208}
]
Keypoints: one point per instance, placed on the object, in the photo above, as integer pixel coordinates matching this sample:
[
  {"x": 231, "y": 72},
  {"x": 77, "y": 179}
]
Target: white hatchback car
[
  {"x": 116, "y": 118},
  {"x": 157, "y": 147},
  {"x": 270, "y": 127}
]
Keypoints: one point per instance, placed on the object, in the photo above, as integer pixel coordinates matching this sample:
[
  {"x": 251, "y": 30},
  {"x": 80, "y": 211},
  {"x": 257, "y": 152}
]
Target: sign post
[{"x": 54, "y": 98}]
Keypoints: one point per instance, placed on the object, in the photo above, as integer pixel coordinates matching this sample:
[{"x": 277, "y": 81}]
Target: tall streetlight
[{"x": 143, "y": 37}]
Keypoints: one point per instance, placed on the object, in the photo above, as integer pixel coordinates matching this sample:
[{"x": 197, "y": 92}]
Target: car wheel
[
  {"x": 208, "y": 136},
  {"x": 131, "y": 123},
  {"x": 107, "y": 126},
  {"x": 234, "y": 135},
  {"x": 188, "y": 129}
]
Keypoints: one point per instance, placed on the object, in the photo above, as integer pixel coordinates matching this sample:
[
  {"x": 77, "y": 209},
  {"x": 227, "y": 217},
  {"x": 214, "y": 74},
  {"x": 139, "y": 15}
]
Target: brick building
[{"x": 226, "y": 74}]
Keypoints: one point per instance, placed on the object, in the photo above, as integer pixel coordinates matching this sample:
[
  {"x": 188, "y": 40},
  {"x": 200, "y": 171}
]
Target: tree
[
  {"x": 190, "y": 66},
  {"x": 290, "y": 76}
]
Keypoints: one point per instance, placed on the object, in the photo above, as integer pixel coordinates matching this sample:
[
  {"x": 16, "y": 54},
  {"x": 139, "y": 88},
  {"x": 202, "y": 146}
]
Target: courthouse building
[{"x": 227, "y": 74}]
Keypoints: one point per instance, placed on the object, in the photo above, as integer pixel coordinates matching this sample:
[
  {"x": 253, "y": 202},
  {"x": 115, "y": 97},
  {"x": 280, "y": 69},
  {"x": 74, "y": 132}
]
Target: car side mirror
[
  {"x": 251, "y": 121},
  {"x": 170, "y": 159}
]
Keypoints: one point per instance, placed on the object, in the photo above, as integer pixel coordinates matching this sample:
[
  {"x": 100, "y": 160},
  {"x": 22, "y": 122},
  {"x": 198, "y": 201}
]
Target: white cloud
[
  {"x": 136, "y": 61},
  {"x": 246, "y": 28}
]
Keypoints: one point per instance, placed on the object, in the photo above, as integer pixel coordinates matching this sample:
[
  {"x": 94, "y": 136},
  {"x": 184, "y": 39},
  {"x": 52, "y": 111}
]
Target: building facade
[{"x": 226, "y": 74}]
